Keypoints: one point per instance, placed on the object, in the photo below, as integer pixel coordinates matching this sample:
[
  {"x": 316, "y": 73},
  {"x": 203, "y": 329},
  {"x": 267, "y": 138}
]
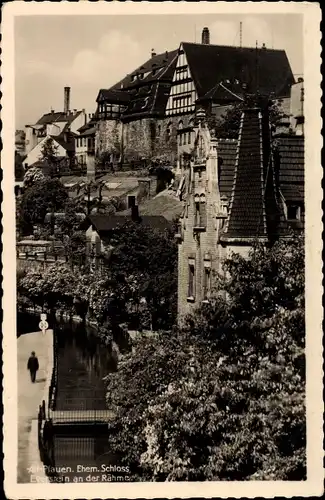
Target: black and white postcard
[{"x": 162, "y": 268}]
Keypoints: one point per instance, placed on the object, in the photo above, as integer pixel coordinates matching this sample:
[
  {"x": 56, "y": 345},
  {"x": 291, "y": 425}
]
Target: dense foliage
[
  {"x": 33, "y": 176},
  {"x": 19, "y": 167},
  {"x": 151, "y": 259},
  {"x": 223, "y": 397},
  {"x": 138, "y": 286},
  {"x": 227, "y": 126},
  {"x": 41, "y": 196}
]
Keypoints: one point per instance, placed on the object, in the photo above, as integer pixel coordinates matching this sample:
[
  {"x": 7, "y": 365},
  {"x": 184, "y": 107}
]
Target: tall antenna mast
[
  {"x": 240, "y": 34},
  {"x": 256, "y": 69}
]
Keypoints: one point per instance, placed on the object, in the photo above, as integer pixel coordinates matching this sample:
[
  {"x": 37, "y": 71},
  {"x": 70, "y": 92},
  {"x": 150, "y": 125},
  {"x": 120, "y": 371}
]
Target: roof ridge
[{"x": 233, "y": 46}]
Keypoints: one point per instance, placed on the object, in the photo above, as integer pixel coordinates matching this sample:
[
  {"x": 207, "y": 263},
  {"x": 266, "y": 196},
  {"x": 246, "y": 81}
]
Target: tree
[
  {"x": 33, "y": 176},
  {"x": 41, "y": 197},
  {"x": 19, "y": 168},
  {"x": 223, "y": 397},
  {"x": 152, "y": 260},
  {"x": 52, "y": 288},
  {"x": 49, "y": 155},
  {"x": 227, "y": 126}
]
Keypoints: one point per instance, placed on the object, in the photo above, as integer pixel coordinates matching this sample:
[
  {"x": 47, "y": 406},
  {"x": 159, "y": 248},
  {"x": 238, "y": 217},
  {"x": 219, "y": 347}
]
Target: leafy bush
[{"x": 222, "y": 398}]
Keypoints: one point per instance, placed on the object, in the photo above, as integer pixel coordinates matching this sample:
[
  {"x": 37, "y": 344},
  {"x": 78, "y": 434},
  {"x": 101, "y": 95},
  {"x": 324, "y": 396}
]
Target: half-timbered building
[{"x": 150, "y": 113}]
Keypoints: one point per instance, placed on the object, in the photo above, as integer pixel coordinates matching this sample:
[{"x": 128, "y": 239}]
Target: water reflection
[{"x": 83, "y": 362}]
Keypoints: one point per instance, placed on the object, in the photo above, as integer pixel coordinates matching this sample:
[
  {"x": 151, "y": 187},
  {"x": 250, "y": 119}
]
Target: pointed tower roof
[{"x": 254, "y": 209}]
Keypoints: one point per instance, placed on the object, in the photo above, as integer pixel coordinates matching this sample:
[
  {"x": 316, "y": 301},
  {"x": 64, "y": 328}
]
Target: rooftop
[{"x": 104, "y": 224}]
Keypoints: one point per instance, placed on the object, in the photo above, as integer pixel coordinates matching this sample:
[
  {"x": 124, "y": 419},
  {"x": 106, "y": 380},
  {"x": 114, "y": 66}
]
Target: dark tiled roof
[
  {"x": 210, "y": 64},
  {"x": 290, "y": 161},
  {"x": 106, "y": 223},
  {"x": 148, "y": 95},
  {"x": 88, "y": 132},
  {"x": 113, "y": 96},
  {"x": 247, "y": 208},
  {"x": 66, "y": 141},
  {"x": 156, "y": 68},
  {"x": 58, "y": 116},
  {"x": 227, "y": 149},
  {"x": 224, "y": 93}
]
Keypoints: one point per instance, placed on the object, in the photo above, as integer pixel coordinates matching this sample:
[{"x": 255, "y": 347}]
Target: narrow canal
[{"x": 83, "y": 362}]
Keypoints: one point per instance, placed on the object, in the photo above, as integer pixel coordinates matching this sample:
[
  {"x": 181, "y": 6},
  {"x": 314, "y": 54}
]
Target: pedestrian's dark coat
[{"x": 32, "y": 364}]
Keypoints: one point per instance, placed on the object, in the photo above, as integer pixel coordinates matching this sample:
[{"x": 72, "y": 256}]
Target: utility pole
[{"x": 240, "y": 34}]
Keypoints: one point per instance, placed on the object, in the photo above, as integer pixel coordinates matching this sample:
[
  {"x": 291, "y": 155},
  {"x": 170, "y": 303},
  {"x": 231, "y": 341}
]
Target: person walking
[{"x": 33, "y": 366}]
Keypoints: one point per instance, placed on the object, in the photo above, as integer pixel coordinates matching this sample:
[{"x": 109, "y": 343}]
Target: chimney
[
  {"x": 135, "y": 213},
  {"x": 264, "y": 46},
  {"x": 153, "y": 53},
  {"x": 205, "y": 36},
  {"x": 66, "y": 100}
]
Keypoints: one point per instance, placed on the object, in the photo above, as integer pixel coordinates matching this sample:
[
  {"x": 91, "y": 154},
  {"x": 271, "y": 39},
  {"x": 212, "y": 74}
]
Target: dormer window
[{"x": 133, "y": 77}]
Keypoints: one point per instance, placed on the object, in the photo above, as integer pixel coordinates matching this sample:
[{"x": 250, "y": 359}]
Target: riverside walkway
[{"x": 30, "y": 396}]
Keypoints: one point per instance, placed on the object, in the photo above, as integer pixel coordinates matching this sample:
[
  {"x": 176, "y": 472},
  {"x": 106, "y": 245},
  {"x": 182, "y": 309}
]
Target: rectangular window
[
  {"x": 191, "y": 279},
  {"x": 188, "y": 137},
  {"x": 207, "y": 283},
  {"x": 197, "y": 214},
  {"x": 200, "y": 214}
]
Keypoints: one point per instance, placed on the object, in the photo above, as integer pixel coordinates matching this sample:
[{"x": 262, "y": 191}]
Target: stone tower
[{"x": 201, "y": 222}]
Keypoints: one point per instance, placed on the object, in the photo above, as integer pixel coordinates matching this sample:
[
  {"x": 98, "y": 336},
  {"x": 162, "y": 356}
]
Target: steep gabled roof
[
  {"x": 266, "y": 68},
  {"x": 290, "y": 163},
  {"x": 227, "y": 149},
  {"x": 153, "y": 69},
  {"x": 247, "y": 217},
  {"x": 224, "y": 93},
  {"x": 146, "y": 96},
  {"x": 255, "y": 208},
  {"x": 65, "y": 140},
  {"x": 58, "y": 116}
]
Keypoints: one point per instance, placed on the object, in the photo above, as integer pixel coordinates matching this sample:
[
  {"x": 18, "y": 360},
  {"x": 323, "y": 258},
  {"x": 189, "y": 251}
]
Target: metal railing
[
  {"x": 80, "y": 416},
  {"x": 54, "y": 379}
]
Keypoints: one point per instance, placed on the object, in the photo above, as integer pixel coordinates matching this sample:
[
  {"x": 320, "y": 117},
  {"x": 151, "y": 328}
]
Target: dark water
[{"x": 83, "y": 361}]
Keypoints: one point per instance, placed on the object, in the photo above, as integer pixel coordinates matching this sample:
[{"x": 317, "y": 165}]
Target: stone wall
[
  {"x": 203, "y": 247},
  {"x": 143, "y": 139},
  {"x": 39, "y": 264},
  {"x": 108, "y": 137}
]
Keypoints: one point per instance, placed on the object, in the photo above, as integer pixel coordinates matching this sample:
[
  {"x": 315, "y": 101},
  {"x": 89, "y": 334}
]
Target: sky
[{"x": 87, "y": 53}]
